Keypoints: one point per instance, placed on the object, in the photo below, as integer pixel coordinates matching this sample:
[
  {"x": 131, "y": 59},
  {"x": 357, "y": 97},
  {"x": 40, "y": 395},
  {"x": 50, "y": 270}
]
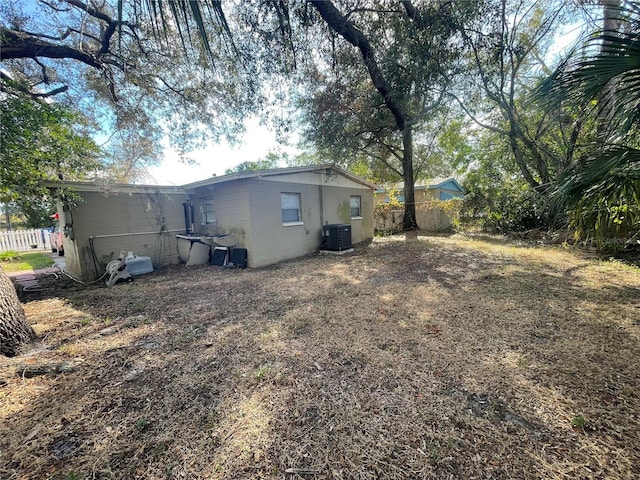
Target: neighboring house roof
[
  {"x": 448, "y": 183},
  {"x": 325, "y": 168}
]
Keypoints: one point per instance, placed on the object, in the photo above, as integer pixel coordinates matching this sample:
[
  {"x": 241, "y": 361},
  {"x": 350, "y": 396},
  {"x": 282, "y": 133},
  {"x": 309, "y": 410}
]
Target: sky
[{"x": 257, "y": 142}]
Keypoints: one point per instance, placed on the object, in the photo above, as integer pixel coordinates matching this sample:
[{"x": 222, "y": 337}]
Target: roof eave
[
  {"x": 114, "y": 187},
  {"x": 274, "y": 172}
]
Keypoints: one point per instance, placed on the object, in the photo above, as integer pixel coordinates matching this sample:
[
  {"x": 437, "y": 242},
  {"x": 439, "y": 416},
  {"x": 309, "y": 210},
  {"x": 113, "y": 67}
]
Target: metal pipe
[
  {"x": 135, "y": 233},
  {"x": 185, "y": 208},
  {"x": 321, "y": 199},
  {"x": 192, "y": 228}
]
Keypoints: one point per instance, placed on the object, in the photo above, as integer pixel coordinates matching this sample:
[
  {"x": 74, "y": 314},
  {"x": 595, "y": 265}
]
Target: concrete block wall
[{"x": 144, "y": 223}]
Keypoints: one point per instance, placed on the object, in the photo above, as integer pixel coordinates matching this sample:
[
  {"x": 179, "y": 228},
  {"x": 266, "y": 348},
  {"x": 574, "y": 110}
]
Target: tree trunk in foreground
[
  {"x": 409, "y": 222},
  {"x": 15, "y": 331}
]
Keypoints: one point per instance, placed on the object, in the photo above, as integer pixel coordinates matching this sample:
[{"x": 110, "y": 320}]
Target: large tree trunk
[
  {"x": 15, "y": 331},
  {"x": 343, "y": 27},
  {"x": 409, "y": 222}
]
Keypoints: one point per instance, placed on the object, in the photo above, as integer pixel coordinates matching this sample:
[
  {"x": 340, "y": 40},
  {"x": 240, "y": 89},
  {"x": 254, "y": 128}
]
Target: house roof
[
  {"x": 323, "y": 168},
  {"x": 105, "y": 187},
  {"x": 132, "y": 188},
  {"x": 429, "y": 184}
]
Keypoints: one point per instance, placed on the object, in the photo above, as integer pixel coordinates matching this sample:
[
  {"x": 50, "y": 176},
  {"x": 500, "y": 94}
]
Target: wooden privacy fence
[
  {"x": 432, "y": 216},
  {"x": 24, "y": 240}
]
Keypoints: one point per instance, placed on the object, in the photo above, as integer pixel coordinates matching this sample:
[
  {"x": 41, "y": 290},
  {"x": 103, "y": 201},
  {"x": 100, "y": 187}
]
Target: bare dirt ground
[{"x": 418, "y": 357}]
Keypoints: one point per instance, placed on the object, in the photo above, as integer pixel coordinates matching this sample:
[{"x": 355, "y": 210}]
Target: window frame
[
  {"x": 205, "y": 213},
  {"x": 298, "y": 196},
  {"x": 359, "y": 207}
]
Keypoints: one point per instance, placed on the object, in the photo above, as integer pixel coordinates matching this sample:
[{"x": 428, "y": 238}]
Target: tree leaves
[
  {"x": 601, "y": 191},
  {"x": 41, "y": 142}
]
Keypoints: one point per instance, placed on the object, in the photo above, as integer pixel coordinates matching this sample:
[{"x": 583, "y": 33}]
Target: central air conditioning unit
[{"x": 336, "y": 237}]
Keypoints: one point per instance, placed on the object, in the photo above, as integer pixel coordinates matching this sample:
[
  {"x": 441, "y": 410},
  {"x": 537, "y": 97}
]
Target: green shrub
[
  {"x": 512, "y": 208},
  {"x": 10, "y": 255}
]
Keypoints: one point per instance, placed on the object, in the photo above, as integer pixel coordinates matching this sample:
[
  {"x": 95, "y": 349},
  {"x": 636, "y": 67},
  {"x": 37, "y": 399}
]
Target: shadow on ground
[{"x": 435, "y": 357}]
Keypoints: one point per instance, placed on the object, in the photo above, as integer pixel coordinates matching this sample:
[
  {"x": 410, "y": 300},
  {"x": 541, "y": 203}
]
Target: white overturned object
[
  {"x": 198, "y": 254},
  {"x": 139, "y": 265},
  {"x": 225, "y": 240},
  {"x": 198, "y": 249},
  {"x": 117, "y": 270}
]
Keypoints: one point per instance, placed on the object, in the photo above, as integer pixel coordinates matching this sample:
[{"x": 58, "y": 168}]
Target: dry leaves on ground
[{"x": 418, "y": 357}]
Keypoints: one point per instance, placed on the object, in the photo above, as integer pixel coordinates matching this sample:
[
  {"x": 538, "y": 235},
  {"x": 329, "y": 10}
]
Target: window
[
  {"x": 398, "y": 198},
  {"x": 290, "y": 203},
  {"x": 356, "y": 212},
  {"x": 207, "y": 211}
]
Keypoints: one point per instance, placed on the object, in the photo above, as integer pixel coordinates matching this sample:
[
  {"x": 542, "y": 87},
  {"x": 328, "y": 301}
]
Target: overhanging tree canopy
[
  {"x": 41, "y": 142},
  {"x": 121, "y": 70}
]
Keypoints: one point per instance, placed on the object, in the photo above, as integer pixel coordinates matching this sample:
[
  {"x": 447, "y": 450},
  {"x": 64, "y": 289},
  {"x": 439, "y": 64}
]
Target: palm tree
[{"x": 601, "y": 190}]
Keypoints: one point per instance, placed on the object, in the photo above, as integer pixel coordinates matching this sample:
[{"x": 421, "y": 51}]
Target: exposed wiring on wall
[
  {"x": 155, "y": 203},
  {"x": 96, "y": 262},
  {"x": 152, "y": 208}
]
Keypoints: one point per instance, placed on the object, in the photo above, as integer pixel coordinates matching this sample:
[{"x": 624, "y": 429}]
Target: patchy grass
[
  {"x": 25, "y": 261},
  {"x": 414, "y": 357}
]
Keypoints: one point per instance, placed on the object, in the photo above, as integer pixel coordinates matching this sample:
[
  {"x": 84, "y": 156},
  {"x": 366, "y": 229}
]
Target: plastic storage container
[{"x": 139, "y": 265}]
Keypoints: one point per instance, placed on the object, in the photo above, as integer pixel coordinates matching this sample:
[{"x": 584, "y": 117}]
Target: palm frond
[
  {"x": 602, "y": 195},
  {"x": 583, "y": 79},
  {"x": 183, "y": 15}
]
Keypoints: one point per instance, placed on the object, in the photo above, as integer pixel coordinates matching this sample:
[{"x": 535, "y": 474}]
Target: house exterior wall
[
  {"x": 429, "y": 215},
  {"x": 322, "y": 202},
  {"x": 337, "y": 209},
  {"x": 144, "y": 223},
  {"x": 424, "y": 195},
  {"x": 146, "y": 219},
  {"x": 273, "y": 240},
  {"x": 231, "y": 203},
  {"x": 335, "y": 192},
  {"x": 427, "y": 195},
  {"x": 445, "y": 190}
]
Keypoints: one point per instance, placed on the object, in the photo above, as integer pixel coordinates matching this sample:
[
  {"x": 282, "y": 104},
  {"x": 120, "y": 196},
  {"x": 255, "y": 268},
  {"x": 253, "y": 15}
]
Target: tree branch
[
  {"x": 16, "y": 44},
  {"x": 12, "y": 87},
  {"x": 55, "y": 8},
  {"x": 43, "y": 69},
  {"x": 112, "y": 25},
  {"x": 51, "y": 93},
  {"x": 412, "y": 12},
  {"x": 383, "y": 160},
  {"x": 338, "y": 23},
  {"x": 475, "y": 119},
  {"x": 90, "y": 10},
  {"x": 49, "y": 37}
]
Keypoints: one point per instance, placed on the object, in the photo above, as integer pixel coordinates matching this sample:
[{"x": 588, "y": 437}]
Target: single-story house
[
  {"x": 429, "y": 196},
  {"x": 435, "y": 189},
  {"x": 275, "y": 214}
]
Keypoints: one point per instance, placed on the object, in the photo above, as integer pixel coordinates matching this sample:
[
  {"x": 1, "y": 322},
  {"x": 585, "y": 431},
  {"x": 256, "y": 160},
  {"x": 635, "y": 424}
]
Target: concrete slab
[
  {"x": 59, "y": 261},
  {"x": 20, "y": 277},
  {"x": 337, "y": 252}
]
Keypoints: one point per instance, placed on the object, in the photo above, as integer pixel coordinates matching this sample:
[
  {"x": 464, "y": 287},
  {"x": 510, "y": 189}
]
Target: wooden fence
[
  {"x": 24, "y": 240},
  {"x": 432, "y": 216}
]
